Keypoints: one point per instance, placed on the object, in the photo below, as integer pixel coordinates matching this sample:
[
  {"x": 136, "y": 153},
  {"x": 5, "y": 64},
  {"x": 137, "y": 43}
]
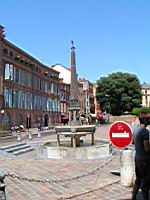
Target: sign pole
[{"x": 121, "y": 136}]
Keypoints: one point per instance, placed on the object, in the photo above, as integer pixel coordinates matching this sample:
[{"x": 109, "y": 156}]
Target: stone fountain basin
[{"x": 50, "y": 150}]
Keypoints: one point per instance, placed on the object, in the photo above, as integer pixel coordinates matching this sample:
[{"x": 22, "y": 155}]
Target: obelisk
[{"x": 74, "y": 93}]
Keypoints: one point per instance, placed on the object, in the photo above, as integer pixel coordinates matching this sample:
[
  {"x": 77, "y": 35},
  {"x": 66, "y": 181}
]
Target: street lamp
[
  {"x": 2, "y": 112},
  {"x": 28, "y": 121},
  {"x": 50, "y": 117}
]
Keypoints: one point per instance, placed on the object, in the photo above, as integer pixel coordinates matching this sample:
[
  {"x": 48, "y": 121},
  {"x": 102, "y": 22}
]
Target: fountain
[{"x": 75, "y": 147}]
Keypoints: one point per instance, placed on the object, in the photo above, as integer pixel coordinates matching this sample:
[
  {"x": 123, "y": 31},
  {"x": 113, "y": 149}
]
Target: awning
[{"x": 64, "y": 116}]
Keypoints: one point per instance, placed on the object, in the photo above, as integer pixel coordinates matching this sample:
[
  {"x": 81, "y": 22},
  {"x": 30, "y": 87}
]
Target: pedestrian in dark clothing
[{"x": 142, "y": 158}]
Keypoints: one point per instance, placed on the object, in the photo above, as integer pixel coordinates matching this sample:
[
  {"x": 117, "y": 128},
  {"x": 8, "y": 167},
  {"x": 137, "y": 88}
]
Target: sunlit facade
[{"x": 29, "y": 90}]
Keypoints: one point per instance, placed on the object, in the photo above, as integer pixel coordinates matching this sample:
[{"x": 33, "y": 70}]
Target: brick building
[
  {"x": 29, "y": 90},
  {"x": 64, "y": 101}
]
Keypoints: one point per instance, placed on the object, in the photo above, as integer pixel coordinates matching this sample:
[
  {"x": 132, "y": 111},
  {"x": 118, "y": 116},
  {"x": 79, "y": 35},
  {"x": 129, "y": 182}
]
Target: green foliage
[
  {"x": 137, "y": 111},
  {"x": 119, "y": 92}
]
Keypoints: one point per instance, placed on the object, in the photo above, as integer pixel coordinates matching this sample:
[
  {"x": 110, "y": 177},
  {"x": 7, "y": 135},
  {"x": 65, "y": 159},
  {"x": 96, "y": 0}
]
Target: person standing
[{"x": 142, "y": 158}]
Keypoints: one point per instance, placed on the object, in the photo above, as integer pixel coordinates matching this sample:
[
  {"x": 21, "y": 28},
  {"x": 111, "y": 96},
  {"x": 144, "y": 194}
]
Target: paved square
[{"x": 32, "y": 178}]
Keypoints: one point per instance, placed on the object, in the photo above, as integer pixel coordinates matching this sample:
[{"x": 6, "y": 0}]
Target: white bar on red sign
[{"x": 120, "y": 135}]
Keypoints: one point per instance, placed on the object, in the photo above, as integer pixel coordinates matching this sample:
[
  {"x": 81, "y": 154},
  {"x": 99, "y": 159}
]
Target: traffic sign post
[{"x": 120, "y": 134}]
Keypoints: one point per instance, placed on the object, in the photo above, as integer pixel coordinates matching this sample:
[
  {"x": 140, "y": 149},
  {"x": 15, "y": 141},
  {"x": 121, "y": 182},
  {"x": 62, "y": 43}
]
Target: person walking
[{"x": 142, "y": 158}]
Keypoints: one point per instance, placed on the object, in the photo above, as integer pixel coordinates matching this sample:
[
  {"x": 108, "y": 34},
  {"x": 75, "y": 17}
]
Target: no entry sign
[{"x": 120, "y": 134}]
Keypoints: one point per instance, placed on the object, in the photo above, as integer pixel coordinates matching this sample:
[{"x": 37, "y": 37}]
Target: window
[
  {"x": 52, "y": 87},
  {"x": 46, "y": 87},
  {"x": 20, "y": 119},
  {"x": 28, "y": 100},
  {"x": 40, "y": 103},
  {"x": 36, "y": 83},
  {"x": 15, "y": 99},
  {"x": 55, "y": 88},
  {"x": 40, "y": 84},
  {"x": 23, "y": 77},
  {"x": 17, "y": 73},
  {"x": 6, "y": 51},
  {"x": 11, "y": 54},
  {"x": 8, "y": 71},
  {"x": 21, "y": 100},
  {"x": 8, "y": 97},
  {"x": 6, "y": 119},
  {"x": 28, "y": 79}
]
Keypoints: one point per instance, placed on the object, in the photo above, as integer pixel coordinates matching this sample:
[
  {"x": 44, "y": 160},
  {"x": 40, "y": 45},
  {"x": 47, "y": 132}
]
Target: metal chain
[
  {"x": 61, "y": 180},
  {"x": 87, "y": 192},
  {"x": 94, "y": 189}
]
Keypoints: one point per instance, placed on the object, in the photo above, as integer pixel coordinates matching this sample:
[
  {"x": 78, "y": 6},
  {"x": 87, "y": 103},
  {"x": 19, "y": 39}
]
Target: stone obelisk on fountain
[{"x": 74, "y": 106}]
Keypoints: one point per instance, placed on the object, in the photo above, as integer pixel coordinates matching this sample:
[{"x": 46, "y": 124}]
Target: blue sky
[{"x": 109, "y": 35}]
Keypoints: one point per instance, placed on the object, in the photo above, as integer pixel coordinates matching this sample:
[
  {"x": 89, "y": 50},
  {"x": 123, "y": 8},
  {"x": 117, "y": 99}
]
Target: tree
[
  {"x": 142, "y": 110},
  {"x": 119, "y": 92}
]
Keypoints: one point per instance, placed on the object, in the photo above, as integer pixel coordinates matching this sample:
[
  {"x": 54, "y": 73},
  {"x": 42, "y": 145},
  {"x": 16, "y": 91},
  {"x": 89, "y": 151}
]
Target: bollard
[
  {"x": 30, "y": 135},
  {"x": 127, "y": 168},
  {"x": 18, "y": 136},
  {"x": 39, "y": 134}
]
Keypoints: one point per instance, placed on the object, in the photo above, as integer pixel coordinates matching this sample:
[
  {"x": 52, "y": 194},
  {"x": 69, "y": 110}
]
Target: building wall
[
  {"x": 64, "y": 97},
  {"x": 146, "y": 97},
  {"x": 1, "y": 71},
  {"x": 64, "y": 73},
  {"x": 30, "y": 90},
  {"x": 89, "y": 98},
  {"x": 97, "y": 106}
]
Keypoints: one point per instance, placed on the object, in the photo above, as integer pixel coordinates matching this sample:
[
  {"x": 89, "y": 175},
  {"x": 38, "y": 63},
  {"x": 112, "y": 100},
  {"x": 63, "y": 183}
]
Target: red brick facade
[{"x": 29, "y": 90}]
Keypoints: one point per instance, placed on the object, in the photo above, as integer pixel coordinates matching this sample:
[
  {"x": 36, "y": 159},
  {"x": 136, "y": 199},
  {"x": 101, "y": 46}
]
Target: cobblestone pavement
[{"x": 64, "y": 178}]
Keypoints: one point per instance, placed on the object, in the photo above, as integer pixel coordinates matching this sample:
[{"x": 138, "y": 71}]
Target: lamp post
[
  {"x": 28, "y": 122},
  {"x": 2, "y": 112}
]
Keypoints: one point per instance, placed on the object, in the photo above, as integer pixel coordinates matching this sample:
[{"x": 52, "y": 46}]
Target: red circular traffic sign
[{"x": 120, "y": 134}]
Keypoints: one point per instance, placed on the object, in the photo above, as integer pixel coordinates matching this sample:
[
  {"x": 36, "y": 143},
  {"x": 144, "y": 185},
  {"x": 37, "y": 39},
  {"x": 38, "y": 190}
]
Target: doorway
[{"x": 46, "y": 120}]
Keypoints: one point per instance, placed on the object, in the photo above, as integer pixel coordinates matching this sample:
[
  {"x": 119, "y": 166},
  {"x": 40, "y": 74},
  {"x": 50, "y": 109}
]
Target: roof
[
  {"x": 145, "y": 86},
  {"x": 8, "y": 43}
]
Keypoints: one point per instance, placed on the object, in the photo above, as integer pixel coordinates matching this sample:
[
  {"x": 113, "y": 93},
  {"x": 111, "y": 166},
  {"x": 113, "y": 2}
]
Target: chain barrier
[
  {"x": 87, "y": 192},
  {"x": 62, "y": 180},
  {"x": 95, "y": 189}
]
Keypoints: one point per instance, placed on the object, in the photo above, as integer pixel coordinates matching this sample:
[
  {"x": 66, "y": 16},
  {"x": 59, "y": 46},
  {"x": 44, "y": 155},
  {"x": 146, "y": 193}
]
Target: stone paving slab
[
  {"x": 54, "y": 170},
  {"x": 83, "y": 188}
]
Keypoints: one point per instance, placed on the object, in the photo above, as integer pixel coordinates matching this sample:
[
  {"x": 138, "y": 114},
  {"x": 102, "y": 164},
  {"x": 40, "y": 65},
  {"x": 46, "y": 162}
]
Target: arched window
[
  {"x": 20, "y": 119},
  {"x": 6, "y": 119},
  {"x": 11, "y": 54},
  {"x": 6, "y": 51}
]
